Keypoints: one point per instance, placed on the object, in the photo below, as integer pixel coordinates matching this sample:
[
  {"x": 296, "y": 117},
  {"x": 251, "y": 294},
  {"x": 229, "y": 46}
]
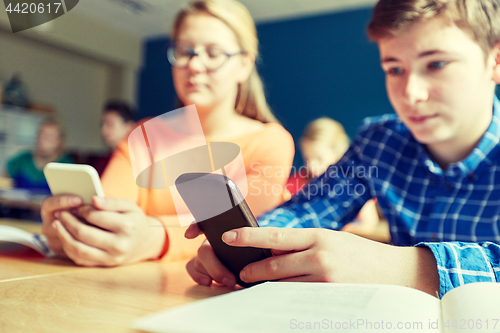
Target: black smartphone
[{"x": 218, "y": 206}]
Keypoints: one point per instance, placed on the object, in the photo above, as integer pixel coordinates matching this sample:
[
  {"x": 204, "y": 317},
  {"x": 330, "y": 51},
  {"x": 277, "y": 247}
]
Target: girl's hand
[{"x": 111, "y": 232}]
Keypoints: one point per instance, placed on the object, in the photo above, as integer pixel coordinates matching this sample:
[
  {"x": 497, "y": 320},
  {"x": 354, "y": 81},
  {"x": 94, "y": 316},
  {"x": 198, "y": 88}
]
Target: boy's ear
[{"x": 496, "y": 68}]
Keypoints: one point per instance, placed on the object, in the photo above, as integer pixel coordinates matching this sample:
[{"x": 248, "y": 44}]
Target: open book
[
  {"x": 328, "y": 307},
  {"x": 34, "y": 241}
]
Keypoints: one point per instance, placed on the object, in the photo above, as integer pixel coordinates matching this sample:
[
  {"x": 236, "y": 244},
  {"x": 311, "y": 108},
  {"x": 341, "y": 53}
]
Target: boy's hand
[
  {"x": 319, "y": 255},
  {"x": 206, "y": 267}
]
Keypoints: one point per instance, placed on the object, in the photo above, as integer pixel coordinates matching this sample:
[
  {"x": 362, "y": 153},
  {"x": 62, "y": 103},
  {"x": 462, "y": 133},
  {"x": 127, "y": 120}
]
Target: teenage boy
[
  {"x": 435, "y": 167},
  {"x": 117, "y": 123}
]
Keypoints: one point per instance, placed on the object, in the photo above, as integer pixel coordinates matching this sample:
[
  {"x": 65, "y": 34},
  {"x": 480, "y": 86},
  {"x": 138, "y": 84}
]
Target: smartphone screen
[{"x": 218, "y": 206}]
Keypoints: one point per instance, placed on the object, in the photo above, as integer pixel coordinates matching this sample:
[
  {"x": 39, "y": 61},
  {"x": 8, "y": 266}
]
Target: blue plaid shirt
[{"x": 455, "y": 212}]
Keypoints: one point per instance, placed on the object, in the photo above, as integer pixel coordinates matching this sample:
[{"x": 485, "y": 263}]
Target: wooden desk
[
  {"x": 20, "y": 262},
  {"x": 42, "y": 295}
]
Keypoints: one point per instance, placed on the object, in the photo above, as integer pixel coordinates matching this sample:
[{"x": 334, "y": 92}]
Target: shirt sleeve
[
  {"x": 14, "y": 166},
  {"x": 460, "y": 263},
  {"x": 330, "y": 201}
]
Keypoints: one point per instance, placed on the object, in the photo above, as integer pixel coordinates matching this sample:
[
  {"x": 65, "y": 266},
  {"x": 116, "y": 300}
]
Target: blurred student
[
  {"x": 117, "y": 122},
  {"x": 322, "y": 144},
  {"x": 26, "y": 169},
  {"x": 213, "y": 66}
]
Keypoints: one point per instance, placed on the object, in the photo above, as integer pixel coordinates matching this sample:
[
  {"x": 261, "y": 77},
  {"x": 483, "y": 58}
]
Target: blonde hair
[
  {"x": 478, "y": 18},
  {"x": 328, "y": 131},
  {"x": 251, "y": 99}
]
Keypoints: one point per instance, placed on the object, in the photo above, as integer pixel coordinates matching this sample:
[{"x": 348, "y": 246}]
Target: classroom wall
[
  {"x": 156, "y": 94},
  {"x": 86, "y": 36},
  {"x": 75, "y": 65},
  {"x": 311, "y": 67},
  {"x": 322, "y": 66},
  {"x": 75, "y": 86}
]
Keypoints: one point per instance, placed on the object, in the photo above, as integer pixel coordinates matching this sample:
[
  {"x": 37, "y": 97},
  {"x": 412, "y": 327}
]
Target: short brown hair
[
  {"x": 122, "y": 108},
  {"x": 478, "y": 18}
]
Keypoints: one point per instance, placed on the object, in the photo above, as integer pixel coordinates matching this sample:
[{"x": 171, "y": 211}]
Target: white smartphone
[{"x": 79, "y": 179}]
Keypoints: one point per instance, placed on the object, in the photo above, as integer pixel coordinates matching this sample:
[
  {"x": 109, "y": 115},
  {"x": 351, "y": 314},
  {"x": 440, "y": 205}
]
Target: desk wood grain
[
  {"x": 98, "y": 299},
  {"x": 20, "y": 262},
  {"x": 42, "y": 295}
]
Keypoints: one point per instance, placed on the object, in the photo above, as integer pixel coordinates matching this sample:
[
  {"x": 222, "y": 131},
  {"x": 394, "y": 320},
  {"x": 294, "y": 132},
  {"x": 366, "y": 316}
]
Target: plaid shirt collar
[{"x": 481, "y": 155}]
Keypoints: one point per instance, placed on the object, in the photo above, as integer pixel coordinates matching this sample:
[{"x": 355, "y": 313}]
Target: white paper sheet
[{"x": 309, "y": 307}]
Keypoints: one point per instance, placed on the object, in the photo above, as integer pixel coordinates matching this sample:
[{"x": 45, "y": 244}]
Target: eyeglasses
[{"x": 212, "y": 58}]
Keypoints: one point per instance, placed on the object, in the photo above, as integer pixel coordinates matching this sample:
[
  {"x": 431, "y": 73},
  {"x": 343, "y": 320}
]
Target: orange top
[{"x": 267, "y": 156}]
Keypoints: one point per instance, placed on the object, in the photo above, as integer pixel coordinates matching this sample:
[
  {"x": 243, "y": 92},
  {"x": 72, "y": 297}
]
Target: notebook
[{"x": 329, "y": 307}]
